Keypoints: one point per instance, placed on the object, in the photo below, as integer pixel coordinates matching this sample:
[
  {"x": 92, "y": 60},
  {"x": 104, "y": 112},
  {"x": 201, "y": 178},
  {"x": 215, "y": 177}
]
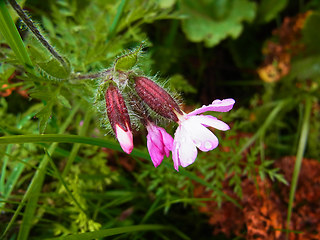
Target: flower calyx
[
  {"x": 158, "y": 99},
  {"x": 119, "y": 118}
]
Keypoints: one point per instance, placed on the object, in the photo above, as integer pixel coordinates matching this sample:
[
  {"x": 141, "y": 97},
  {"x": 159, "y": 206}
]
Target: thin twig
[{"x": 91, "y": 76}]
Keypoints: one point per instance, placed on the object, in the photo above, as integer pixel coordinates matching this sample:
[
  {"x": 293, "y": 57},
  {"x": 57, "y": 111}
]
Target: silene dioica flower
[{"x": 145, "y": 97}]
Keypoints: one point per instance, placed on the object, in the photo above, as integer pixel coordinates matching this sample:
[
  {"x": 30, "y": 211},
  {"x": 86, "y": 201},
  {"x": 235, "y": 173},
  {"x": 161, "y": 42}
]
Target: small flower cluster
[{"x": 192, "y": 132}]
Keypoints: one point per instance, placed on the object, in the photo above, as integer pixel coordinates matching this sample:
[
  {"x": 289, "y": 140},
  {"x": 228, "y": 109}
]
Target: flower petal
[
  {"x": 125, "y": 139},
  {"x": 224, "y": 105},
  {"x": 187, "y": 152},
  {"x": 175, "y": 148},
  {"x": 202, "y": 137},
  {"x": 210, "y": 121},
  {"x": 184, "y": 150},
  {"x": 156, "y": 139},
  {"x": 159, "y": 143},
  {"x": 155, "y": 153},
  {"x": 167, "y": 141}
]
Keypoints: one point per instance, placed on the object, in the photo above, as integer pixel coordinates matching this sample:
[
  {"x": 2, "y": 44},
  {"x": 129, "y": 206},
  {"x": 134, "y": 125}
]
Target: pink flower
[
  {"x": 192, "y": 132},
  {"x": 159, "y": 143},
  {"x": 125, "y": 138}
]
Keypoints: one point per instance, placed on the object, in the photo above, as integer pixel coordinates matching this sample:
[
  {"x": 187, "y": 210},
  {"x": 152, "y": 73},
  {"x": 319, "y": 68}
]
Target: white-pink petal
[
  {"x": 224, "y": 105},
  {"x": 210, "y": 121},
  {"x": 184, "y": 150},
  {"x": 125, "y": 139},
  {"x": 187, "y": 152},
  {"x": 202, "y": 137}
]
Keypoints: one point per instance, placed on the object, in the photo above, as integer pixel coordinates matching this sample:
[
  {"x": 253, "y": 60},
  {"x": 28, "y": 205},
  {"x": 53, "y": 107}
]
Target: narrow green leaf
[
  {"x": 63, "y": 101},
  {"x": 58, "y": 175},
  {"x": 44, "y": 115},
  {"x": 13, "y": 177},
  {"x": 112, "y": 232},
  {"x": 62, "y": 138},
  {"x": 31, "y": 195},
  {"x": 11, "y": 34},
  {"x": 4, "y": 170},
  {"x": 117, "y": 18},
  {"x": 299, "y": 157}
]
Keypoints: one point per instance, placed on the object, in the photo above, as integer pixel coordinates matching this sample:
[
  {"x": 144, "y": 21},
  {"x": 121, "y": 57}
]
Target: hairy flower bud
[
  {"x": 157, "y": 98},
  {"x": 119, "y": 118}
]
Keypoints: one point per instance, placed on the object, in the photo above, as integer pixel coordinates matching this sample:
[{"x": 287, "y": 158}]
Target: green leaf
[
  {"x": 269, "y": 9},
  {"x": 36, "y": 55},
  {"x": 212, "y": 24},
  {"x": 63, "y": 101},
  {"x": 307, "y": 67},
  {"x": 49, "y": 65},
  {"x": 128, "y": 60},
  {"x": 55, "y": 69},
  {"x": 48, "y": 25},
  {"x": 310, "y": 37},
  {"x": 42, "y": 93},
  {"x": 113, "y": 231},
  {"x": 66, "y": 138},
  {"x": 299, "y": 157},
  {"x": 44, "y": 116},
  {"x": 166, "y": 3}
]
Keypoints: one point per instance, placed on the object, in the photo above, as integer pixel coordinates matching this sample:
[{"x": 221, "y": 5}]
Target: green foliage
[
  {"x": 62, "y": 178},
  {"x": 213, "y": 21},
  {"x": 10, "y": 33},
  {"x": 268, "y": 10}
]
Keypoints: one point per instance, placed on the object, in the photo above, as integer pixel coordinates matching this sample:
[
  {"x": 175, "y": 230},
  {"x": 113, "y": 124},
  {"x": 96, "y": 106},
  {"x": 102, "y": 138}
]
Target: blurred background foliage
[{"x": 265, "y": 54}]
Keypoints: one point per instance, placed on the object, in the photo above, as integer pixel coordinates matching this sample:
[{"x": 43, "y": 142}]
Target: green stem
[{"x": 299, "y": 157}]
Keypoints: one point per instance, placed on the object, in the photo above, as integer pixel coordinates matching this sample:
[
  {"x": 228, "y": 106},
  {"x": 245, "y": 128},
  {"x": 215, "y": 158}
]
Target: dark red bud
[
  {"x": 116, "y": 109},
  {"x": 157, "y": 98}
]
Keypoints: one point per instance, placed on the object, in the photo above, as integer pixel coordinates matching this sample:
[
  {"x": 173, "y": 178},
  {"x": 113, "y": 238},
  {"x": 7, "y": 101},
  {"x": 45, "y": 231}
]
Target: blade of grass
[
  {"x": 114, "y": 231},
  {"x": 58, "y": 175},
  {"x": 116, "y": 19},
  {"x": 299, "y": 157},
  {"x": 4, "y": 170},
  {"x": 39, "y": 179},
  {"x": 13, "y": 178},
  {"x": 76, "y": 147},
  {"x": 12, "y": 36},
  {"x": 32, "y": 193},
  {"x": 261, "y": 131},
  {"x": 63, "y": 138}
]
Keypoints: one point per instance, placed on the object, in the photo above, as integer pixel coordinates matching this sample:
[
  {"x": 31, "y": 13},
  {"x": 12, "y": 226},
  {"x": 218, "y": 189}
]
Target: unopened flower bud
[
  {"x": 157, "y": 98},
  {"x": 119, "y": 118}
]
